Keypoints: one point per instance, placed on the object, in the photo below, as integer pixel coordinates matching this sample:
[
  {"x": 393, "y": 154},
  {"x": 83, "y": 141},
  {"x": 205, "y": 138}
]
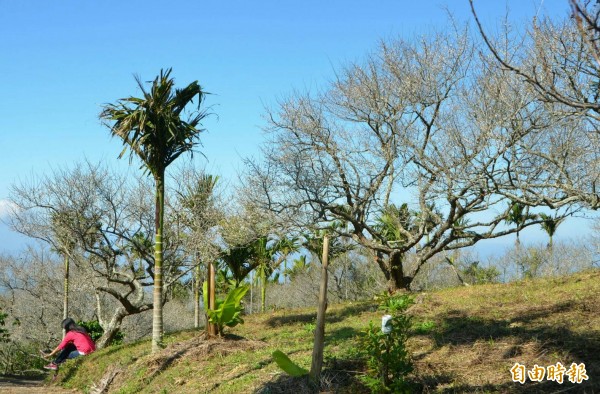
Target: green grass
[{"x": 464, "y": 340}]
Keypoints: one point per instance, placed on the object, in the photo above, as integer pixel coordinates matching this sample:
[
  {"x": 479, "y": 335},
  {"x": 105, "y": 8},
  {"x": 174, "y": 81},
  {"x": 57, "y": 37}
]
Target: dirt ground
[{"x": 28, "y": 385}]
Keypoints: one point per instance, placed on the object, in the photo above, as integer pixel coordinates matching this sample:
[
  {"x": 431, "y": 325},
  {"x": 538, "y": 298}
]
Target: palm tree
[
  {"x": 240, "y": 260},
  {"x": 152, "y": 128},
  {"x": 518, "y": 215},
  {"x": 283, "y": 248},
  {"x": 313, "y": 242},
  {"x": 71, "y": 229},
  {"x": 549, "y": 225},
  {"x": 299, "y": 265},
  {"x": 264, "y": 254}
]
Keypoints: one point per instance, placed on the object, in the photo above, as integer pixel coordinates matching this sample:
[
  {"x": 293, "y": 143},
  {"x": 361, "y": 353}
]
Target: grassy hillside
[{"x": 465, "y": 340}]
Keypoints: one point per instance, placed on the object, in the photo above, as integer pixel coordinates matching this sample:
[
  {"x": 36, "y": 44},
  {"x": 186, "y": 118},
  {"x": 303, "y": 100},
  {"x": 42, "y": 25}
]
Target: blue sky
[{"x": 62, "y": 60}]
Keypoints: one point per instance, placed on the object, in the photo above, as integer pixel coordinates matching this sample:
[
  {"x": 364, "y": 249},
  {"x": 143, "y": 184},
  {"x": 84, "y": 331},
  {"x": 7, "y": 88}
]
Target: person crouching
[{"x": 76, "y": 342}]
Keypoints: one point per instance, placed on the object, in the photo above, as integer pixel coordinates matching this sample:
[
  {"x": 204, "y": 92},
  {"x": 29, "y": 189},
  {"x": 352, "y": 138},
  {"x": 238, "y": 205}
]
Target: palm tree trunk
[
  {"x": 317, "y": 355},
  {"x": 251, "y": 293},
  {"x": 157, "y": 316},
  {"x": 263, "y": 291},
  {"x": 66, "y": 291}
]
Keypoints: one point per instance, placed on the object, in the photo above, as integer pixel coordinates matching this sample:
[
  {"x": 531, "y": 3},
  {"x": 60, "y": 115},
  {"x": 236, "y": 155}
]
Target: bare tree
[
  {"x": 557, "y": 60},
  {"x": 428, "y": 122},
  {"x": 112, "y": 229},
  {"x": 30, "y": 283}
]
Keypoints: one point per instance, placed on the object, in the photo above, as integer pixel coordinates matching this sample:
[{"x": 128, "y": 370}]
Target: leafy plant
[
  {"x": 95, "y": 330},
  {"x": 393, "y": 304},
  {"x": 227, "y": 311},
  {"x": 287, "y": 365},
  {"x": 387, "y": 358},
  {"x": 225, "y": 281},
  {"x": 476, "y": 274},
  {"x": 15, "y": 356}
]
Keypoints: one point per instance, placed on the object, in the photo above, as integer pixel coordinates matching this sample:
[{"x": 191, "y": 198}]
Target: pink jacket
[{"x": 82, "y": 342}]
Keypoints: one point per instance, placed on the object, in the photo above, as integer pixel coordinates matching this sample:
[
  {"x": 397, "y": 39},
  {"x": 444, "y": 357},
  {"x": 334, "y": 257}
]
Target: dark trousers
[{"x": 66, "y": 354}]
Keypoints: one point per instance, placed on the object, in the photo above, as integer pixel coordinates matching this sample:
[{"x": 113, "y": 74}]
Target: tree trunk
[
  {"x": 397, "y": 278},
  {"x": 317, "y": 355},
  {"x": 66, "y": 291},
  {"x": 111, "y": 329},
  {"x": 157, "y": 316},
  {"x": 451, "y": 262},
  {"x": 197, "y": 284},
  {"x": 263, "y": 291},
  {"x": 211, "y": 328}
]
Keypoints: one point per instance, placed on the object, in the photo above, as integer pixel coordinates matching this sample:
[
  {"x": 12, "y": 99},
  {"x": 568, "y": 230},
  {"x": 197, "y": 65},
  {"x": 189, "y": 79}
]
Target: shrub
[
  {"x": 16, "y": 357},
  {"x": 387, "y": 358},
  {"x": 20, "y": 358},
  {"x": 95, "y": 330},
  {"x": 476, "y": 274}
]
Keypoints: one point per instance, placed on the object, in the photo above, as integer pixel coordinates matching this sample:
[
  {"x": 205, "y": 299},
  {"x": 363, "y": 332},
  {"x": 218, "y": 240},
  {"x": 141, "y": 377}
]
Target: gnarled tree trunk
[{"x": 394, "y": 272}]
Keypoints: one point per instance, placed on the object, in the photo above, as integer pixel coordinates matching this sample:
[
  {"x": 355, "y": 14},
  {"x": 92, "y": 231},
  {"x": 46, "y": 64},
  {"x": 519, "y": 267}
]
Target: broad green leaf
[
  {"x": 288, "y": 366},
  {"x": 231, "y": 305},
  {"x": 235, "y": 296}
]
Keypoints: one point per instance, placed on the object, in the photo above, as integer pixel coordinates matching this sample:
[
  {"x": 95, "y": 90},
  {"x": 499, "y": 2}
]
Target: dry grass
[
  {"x": 478, "y": 334},
  {"x": 483, "y": 331}
]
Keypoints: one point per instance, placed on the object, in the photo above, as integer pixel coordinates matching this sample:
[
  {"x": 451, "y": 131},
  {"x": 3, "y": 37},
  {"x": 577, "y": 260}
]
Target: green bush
[
  {"x": 19, "y": 358},
  {"x": 475, "y": 274},
  {"x": 386, "y": 356},
  {"x": 16, "y": 357},
  {"x": 95, "y": 330}
]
